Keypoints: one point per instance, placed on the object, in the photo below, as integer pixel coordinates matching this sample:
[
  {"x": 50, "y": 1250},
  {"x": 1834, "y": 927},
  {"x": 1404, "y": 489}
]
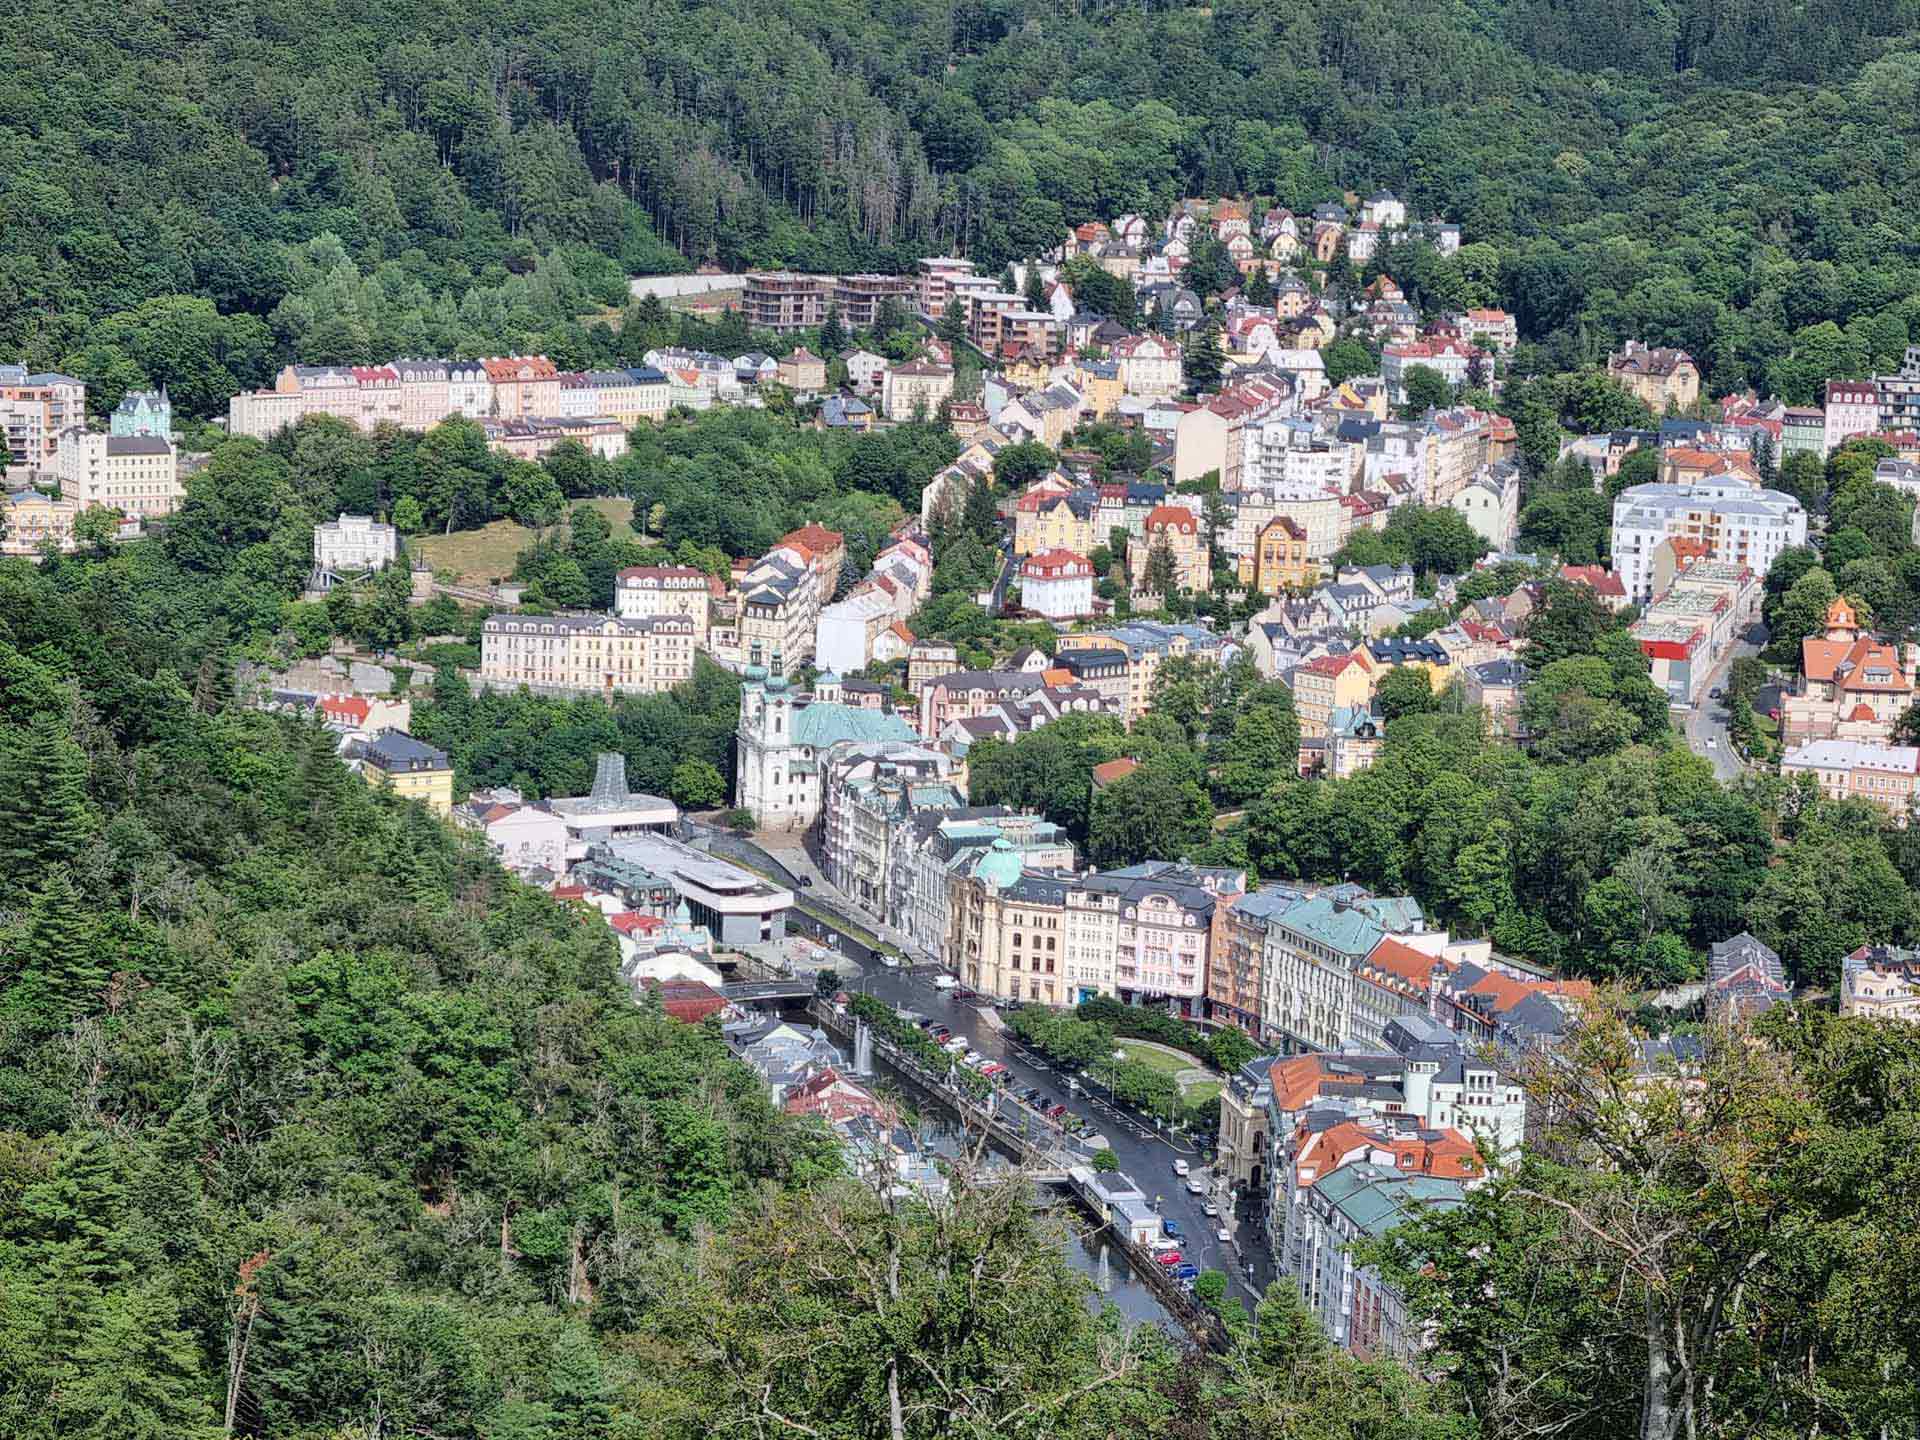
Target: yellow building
[
  {"x": 1279, "y": 561},
  {"x": 1333, "y": 682},
  {"x": 1059, "y": 521},
  {"x": 1426, "y": 656},
  {"x": 412, "y": 770},
  {"x": 30, "y": 519}
]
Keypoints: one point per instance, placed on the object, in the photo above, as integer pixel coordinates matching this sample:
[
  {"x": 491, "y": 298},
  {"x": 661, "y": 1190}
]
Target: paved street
[
  {"x": 1144, "y": 1156},
  {"x": 1706, "y": 723}
]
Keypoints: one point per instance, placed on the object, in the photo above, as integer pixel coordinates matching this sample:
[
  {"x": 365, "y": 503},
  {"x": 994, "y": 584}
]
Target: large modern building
[
  {"x": 736, "y": 906},
  {"x": 783, "y": 301},
  {"x": 1735, "y": 523},
  {"x": 35, "y": 410}
]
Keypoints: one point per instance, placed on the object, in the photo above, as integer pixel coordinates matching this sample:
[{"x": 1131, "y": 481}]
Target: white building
[
  {"x": 1150, "y": 365},
  {"x": 847, "y": 629},
  {"x": 354, "y": 544},
  {"x": 138, "y": 475},
  {"x": 1491, "y": 504},
  {"x": 1447, "y": 357},
  {"x": 867, "y": 372},
  {"x": 1057, "y": 584},
  {"x": 1738, "y": 523},
  {"x": 782, "y": 740}
]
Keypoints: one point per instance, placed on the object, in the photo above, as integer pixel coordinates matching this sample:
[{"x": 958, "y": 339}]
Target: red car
[{"x": 1168, "y": 1258}]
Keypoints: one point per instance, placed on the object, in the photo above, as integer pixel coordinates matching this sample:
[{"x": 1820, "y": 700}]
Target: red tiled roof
[{"x": 1176, "y": 517}]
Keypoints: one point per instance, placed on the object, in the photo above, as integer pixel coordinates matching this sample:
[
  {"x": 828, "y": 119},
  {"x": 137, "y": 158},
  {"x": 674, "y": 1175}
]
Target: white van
[{"x": 944, "y": 981}]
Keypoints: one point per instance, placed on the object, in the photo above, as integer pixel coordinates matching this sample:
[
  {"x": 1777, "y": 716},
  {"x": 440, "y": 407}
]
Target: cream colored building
[
  {"x": 586, "y": 654},
  {"x": 32, "y": 519},
  {"x": 138, "y": 475},
  {"x": 650, "y": 592},
  {"x": 1881, "y": 982},
  {"x": 915, "y": 391},
  {"x": 1150, "y": 365},
  {"x": 1179, "y": 529}
]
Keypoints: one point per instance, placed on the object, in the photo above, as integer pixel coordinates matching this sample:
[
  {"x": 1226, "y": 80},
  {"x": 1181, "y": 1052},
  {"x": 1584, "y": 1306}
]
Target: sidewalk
[{"x": 791, "y": 853}]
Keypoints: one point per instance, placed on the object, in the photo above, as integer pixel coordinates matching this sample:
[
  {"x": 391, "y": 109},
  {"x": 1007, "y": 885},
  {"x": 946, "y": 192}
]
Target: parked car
[
  {"x": 1187, "y": 1271},
  {"x": 1031, "y": 1095},
  {"x": 1161, "y": 1242},
  {"x": 944, "y": 982},
  {"x": 957, "y": 1045},
  {"x": 1054, "y": 1112},
  {"x": 1169, "y": 1258},
  {"x": 1180, "y": 1167},
  {"x": 1226, "y": 1236},
  {"x": 993, "y": 1068},
  {"x": 1170, "y": 1228},
  {"x": 1210, "y": 1210},
  {"x": 1196, "y": 1186}
]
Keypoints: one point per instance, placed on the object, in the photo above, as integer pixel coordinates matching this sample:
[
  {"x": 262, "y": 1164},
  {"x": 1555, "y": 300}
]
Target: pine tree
[
  {"x": 135, "y": 1375},
  {"x": 953, "y": 323},
  {"x": 1036, "y": 288},
  {"x": 1205, "y": 361},
  {"x": 45, "y": 817},
  {"x": 833, "y": 334},
  {"x": 578, "y": 1387},
  {"x": 74, "y": 1217},
  {"x": 60, "y": 950},
  {"x": 1259, "y": 289}
]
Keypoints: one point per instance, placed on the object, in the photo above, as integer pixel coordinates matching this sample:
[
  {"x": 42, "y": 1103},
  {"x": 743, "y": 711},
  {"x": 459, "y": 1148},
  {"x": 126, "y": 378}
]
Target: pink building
[{"x": 1853, "y": 408}]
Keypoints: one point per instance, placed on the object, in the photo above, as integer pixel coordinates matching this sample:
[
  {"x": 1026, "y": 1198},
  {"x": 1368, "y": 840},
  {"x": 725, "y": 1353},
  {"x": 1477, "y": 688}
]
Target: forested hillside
[{"x": 336, "y": 180}]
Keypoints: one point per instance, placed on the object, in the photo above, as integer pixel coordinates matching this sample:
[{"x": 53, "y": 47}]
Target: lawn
[
  {"x": 487, "y": 554},
  {"x": 1166, "y": 1063}
]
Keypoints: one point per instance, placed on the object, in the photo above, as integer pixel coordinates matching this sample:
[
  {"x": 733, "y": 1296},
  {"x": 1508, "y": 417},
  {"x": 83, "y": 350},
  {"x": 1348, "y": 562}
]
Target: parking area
[{"x": 1146, "y": 1154}]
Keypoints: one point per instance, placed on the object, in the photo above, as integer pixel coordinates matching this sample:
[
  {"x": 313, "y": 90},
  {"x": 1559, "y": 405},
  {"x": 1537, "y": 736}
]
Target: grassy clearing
[
  {"x": 1164, "y": 1061},
  {"x": 486, "y": 554}
]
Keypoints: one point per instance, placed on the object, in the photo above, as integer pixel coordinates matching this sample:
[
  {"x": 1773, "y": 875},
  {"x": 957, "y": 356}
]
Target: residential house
[
  {"x": 803, "y": 371},
  {"x": 916, "y": 390},
  {"x": 1331, "y": 683},
  {"x": 1057, "y": 585},
  {"x": 1881, "y": 982},
  {"x": 411, "y": 769},
  {"x": 1661, "y": 377},
  {"x": 1745, "y": 977},
  {"x": 1176, "y": 530}
]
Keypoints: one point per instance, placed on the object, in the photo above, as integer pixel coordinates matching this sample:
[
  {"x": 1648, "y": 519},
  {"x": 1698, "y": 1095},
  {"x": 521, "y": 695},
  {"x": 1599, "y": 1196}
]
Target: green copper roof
[
  {"x": 821, "y": 725},
  {"x": 1000, "y": 866}
]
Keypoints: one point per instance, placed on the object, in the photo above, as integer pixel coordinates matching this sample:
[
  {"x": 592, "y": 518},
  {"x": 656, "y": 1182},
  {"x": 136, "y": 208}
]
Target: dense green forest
[
  {"x": 190, "y": 197},
  {"x": 314, "y": 1125}
]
